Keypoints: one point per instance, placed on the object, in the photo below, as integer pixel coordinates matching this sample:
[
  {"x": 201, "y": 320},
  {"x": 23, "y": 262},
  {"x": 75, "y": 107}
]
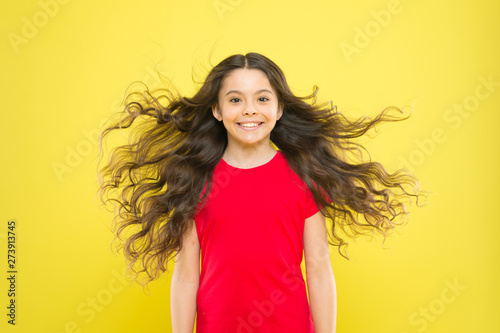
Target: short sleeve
[{"x": 311, "y": 207}]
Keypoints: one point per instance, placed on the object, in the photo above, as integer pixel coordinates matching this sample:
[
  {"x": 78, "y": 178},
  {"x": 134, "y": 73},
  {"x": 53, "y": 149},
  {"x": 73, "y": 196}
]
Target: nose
[
  {"x": 250, "y": 112},
  {"x": 249, "y": 109}
]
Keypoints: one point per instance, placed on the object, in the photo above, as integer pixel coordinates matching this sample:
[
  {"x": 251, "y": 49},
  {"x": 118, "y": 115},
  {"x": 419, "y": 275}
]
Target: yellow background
[{"x": 62, "y": 78}]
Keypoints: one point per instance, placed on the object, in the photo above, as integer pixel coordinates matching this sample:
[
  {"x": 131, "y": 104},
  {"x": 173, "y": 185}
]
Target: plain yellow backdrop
[{"x": 65, "y": 66}]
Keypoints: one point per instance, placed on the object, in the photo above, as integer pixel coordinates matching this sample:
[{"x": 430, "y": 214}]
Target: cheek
[
  {"x": 271, "y": 112},
  {"x": 230, "y": 112},
  {"x": 226, "y": 121}
]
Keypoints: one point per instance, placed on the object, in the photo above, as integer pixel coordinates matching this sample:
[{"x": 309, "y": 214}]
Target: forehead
[{"x": 245, "y": 79}]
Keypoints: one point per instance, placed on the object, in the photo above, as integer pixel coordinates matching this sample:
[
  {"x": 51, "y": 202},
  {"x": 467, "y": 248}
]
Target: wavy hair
[{"x": 158, "y": 177}]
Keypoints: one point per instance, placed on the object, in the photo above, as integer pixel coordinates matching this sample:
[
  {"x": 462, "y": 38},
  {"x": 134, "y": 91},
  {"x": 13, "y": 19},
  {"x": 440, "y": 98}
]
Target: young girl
[{"x": 202, "y": 179}]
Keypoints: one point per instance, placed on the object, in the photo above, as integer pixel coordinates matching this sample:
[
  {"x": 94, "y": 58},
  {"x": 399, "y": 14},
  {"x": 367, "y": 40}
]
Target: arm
[
  {"x": 320, "y": 279},
  {"x": 184, "y": 284}
]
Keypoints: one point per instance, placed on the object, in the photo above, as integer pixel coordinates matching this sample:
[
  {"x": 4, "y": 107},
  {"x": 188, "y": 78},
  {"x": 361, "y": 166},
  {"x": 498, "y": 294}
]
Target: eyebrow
[{"x": 257, "y": 92}]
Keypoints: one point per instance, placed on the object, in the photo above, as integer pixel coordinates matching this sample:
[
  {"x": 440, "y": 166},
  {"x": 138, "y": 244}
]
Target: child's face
[{"x": 248, "y": 107}]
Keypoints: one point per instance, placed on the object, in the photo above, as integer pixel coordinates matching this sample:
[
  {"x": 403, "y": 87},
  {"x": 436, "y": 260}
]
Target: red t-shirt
[{"x": 251, "y": 237}]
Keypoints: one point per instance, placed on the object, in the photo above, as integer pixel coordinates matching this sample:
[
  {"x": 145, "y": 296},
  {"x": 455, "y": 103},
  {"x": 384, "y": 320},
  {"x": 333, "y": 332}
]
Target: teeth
[{"x": 250, "y": 124}]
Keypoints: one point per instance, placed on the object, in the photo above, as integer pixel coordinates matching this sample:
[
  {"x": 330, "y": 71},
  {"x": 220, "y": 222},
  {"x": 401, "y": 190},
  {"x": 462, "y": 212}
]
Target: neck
[{"x": 249, "y": 156}]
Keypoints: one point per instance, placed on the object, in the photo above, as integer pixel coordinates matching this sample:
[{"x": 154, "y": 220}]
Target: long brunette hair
[{"x": 159, "y": 176}]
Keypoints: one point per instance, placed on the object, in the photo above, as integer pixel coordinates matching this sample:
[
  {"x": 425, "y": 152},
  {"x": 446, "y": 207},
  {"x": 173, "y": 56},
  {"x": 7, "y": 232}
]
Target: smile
[{"x": 248, "y": 126}]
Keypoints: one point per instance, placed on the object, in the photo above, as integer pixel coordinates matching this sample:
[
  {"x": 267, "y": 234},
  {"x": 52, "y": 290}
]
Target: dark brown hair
[{"x": 160, "y": 175}]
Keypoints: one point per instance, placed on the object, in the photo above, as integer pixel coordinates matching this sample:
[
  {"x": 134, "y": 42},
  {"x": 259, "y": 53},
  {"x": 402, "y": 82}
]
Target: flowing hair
[{"x": 160, "y": 175}]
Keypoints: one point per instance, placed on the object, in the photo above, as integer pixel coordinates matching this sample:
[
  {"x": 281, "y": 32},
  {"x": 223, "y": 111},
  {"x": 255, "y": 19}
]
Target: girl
[{"x": 203, "y": 178}]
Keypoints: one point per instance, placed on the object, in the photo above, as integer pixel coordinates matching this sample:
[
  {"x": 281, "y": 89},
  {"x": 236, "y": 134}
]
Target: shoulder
[{"x": 291, "y": 172}]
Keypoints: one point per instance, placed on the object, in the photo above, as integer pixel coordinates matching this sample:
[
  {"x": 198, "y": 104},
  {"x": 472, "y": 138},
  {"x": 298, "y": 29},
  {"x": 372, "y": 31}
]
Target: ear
[
  {"x": 216, "y": 112},
  {"x": 280, "y": 111}
]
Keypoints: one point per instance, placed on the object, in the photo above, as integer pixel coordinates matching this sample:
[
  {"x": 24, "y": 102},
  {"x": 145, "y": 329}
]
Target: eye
[
  {"x": 265, "y": 99},
  {"x": 232, "y": 99}
]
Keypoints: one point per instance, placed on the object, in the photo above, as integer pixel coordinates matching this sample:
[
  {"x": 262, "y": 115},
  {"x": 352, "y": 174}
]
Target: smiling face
[{"x": 248, "y": 106}]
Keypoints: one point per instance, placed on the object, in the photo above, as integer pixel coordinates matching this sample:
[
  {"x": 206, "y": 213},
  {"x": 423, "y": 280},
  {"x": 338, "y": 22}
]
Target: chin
[{"x": 250, "y": 142}]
